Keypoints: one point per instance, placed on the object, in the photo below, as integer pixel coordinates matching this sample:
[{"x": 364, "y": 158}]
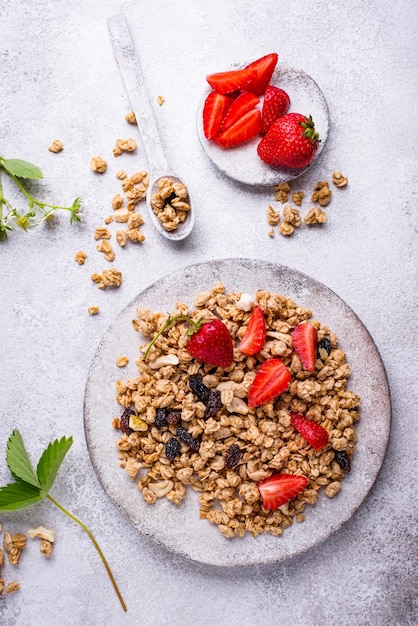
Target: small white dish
[{"x": 242, "y": 163}]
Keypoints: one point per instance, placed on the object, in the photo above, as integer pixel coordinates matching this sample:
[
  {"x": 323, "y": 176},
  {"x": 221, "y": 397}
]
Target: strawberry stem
[
  {"x": 309, "y": 130},
  {"x": 170, "y": 322},
  {"x": 96, "y": 545}
]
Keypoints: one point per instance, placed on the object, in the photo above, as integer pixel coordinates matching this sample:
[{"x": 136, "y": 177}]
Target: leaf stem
[{"x": 96, "y": 545}]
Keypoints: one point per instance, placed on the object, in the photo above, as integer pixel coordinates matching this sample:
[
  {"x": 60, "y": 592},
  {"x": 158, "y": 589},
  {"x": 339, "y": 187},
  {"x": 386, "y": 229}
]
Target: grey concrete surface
[{"x": 59, "y": 80}]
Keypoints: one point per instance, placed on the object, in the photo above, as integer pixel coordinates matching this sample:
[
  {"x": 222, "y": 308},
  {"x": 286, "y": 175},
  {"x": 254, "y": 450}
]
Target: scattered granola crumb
[
  {"x": 56, "y": 146},
  {"x": 121, "y": 215},
  {"x": 93, "y": 310},
  {"x": 286, "y": 228},
  {"x": 102, "y": 233},
  {"x": 46, "y": 548},
  {"x": 1, "y": 558},
  {"x": 1, "y": 586},
  {"x": 273, "y": 216},
  {"x": 322, "y": 193},
  {"x": 135, "y": 235},
  {"x": 109, "y": 219},
  {"x": 122, "y": 361},
  {"x": 315, "y": 216},
  {"x": 98, "y": 164},
  {"x": 121, "y": 174},
  {"x": 291, "y": 215},
  {"x": 131, "y": 118},
  {"x": 160, "y": 100},
  {"x": 42, "y": 533},
  {"x": 140, "y": 177},
  {"x": 297, "y": 197},
  {"x": 271, "y": 233},
  {"x": 282, "y": 192},
  {"x": 14, "y": 545},
  {"x": 332, "y": 489},
  {"x": 105, "y": 247},
  {"x": 80, "y": 257},
  {"x": 339, "y": 179},
  {"x": 117, "y": 201},
  {"x": 108, "y": 278},
  {"x": 124, "y": 145},
  {"x": 121, "y": 238},
  {"x": 12, "y": 587}
]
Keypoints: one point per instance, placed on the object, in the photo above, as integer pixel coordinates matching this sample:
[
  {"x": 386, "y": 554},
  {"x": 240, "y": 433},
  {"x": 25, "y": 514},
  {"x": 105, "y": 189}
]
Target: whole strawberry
[{"x": 292, "y": 141}]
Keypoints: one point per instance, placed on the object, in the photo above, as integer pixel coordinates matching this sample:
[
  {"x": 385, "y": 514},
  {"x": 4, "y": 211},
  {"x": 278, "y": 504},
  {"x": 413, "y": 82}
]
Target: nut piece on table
[
  {"x": 282, "y": 192},
  {"x": 47, "y": 538},
  {"x": 56, "y": 146},
  {"x": 322, "y": 193},
  {"x": 130, "y": 118},
  {"x": 291, "y": 215},
  {"x": 315, "y": 216},
  {"x": 98, "y": 164},
  {"x": 286, "y": 228},
  {"x": 12, "y": 587},
  {"x": 339, "y": 179},
  {"x": 297, "y": 197},
  {"x": 273, "y": 216},
  {"x": 14, "y": 545},
  {"x": 80, "y": 257}
]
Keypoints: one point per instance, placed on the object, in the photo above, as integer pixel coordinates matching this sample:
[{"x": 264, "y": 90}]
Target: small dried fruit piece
[
  {"x": 198, "y": 387},
  {"x": 324, "y": 348},
  {"x": 213, "y": 404},
  {"x": 173, "y": 418},
  {"x": 185, "y": 437},
  {"x": 172, "y": 448},
  {"x": 233, "y": 456},
  {"x": 342, "y": 459},
  {"x": 137, "y": 424},
  {"x": 124, "y": 421},
  {"x": 161, "y": 417}
]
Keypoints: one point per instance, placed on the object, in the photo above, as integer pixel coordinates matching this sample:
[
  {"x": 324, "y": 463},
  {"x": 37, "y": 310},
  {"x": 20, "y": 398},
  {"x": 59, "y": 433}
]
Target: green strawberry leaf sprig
[
  {"x": 32, "y": 486},
  {"x": 19, "y": 171}
]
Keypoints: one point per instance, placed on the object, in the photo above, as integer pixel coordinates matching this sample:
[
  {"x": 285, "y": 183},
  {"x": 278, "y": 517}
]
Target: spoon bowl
[{"x": 159, "y": 167}]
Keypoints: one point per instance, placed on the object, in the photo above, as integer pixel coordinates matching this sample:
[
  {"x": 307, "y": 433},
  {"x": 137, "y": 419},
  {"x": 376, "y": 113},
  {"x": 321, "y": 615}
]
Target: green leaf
[
  {"x": 18, "y": 460},
  {"x": 50, "y": 462},
  {"x": 22, "y": 169},
  {"x": 18, "y": 496}
]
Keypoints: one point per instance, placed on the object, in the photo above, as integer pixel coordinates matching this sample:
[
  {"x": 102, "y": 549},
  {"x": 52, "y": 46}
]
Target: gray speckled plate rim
[
  {"x": 242, "y": 163},
  {"x": 179, "y": 529}
]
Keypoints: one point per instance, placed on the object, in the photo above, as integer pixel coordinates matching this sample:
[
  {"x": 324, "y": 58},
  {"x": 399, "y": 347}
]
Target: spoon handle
[{"x": 135, "y": 86}]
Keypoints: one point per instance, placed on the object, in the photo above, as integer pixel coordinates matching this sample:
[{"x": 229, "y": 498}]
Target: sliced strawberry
[
  {"x": 278, "y": 489},
  {"x": 243, "y": 103},
  {"x": 314, "y": 433},
  {"x": 211, "y": 343},
  {"x": 255, "y": 333},
  {"x": 214, "y": 110},
  {"x": 264, "y": 68},
  {"x": 247, "y": 127},
  {"x": 272, "y": 378},
  {"x": 305, "y": 341},
  {"x": 233, "y": 80},
  {"x": 276, "y": 103}
]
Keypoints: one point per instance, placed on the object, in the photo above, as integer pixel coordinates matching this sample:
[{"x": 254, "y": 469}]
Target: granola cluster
[
  {"x": 321, "y": 195},
  {"x": 170, "y": 203},
  {"x": 223, "y": 454}
]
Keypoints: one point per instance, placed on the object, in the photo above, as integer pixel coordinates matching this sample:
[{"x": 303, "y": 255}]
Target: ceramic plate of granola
[
  {"x": 242, "y": 162},
  {"x": 189, "y": 444}
]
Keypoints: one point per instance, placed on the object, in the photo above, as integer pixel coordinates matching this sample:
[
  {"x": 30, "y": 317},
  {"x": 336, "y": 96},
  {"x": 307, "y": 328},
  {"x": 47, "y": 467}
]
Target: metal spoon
[{"x": 135, "y": 86}]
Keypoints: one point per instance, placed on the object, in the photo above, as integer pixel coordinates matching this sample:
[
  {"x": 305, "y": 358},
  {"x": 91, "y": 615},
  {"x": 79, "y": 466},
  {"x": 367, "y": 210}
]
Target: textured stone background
[{"x": 59, "y": 80}]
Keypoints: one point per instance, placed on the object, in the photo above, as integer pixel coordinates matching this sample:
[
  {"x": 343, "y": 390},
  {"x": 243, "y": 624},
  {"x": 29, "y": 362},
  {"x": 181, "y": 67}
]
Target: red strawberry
[
  {"x": 233, "y": 80},
  {"x": 245, "y": 102},
  {"x": 272, "y": 378},
  {"x": 247, "y": 127},
  {"x": 264, "y": 68},
  {"x": 255, "y": 333},
  {"x": 315, "y": 435},
  {"x": 292, "y": 141},
  {"x": 278, "y": 489},
  {"x": 211, "y": 343},
  {"x": 276, "y": 103},
  {"x": 305, "y": 342},
  {"x": 214, "y": 110}
]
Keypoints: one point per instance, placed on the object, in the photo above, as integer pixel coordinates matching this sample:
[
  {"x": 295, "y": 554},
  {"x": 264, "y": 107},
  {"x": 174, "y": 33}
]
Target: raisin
[
  {"x": 342, "y": 460},
  {"x": 213, "y": 404},
  {"x": 124, "y": 421},
  {"x": 324, "y": 344},
  {"x": 174, "y": 418},
  {"x": 199, "y": 389},
  {"x": 172, "y": 448},
  {"x": 233, "y": 456},
  {"x": 161, "y": 418},
  {"x": 185, "y": 437}
]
